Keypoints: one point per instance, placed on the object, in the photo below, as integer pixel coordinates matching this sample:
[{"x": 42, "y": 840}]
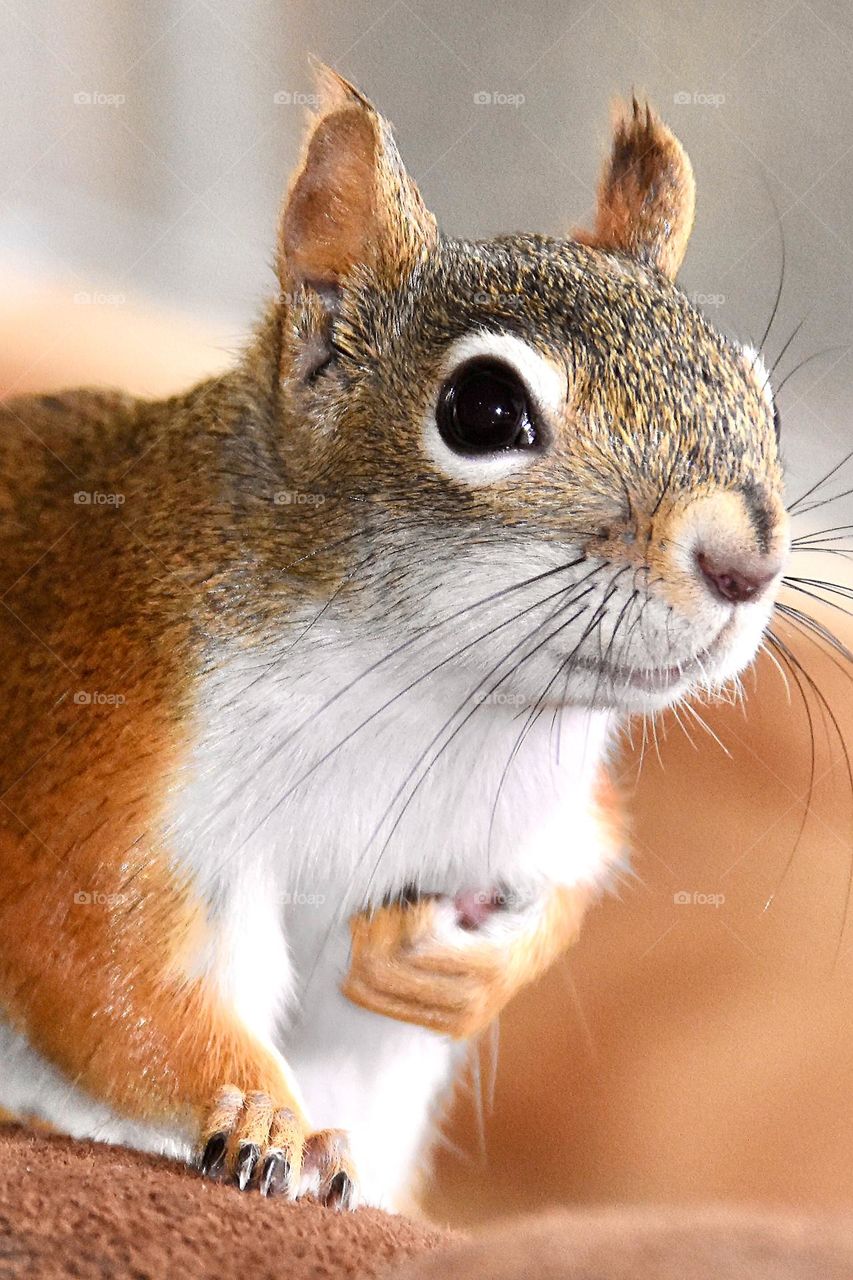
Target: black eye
[
  {"x": 484, "y": 408},
  {"x": 777, "y": 421}
]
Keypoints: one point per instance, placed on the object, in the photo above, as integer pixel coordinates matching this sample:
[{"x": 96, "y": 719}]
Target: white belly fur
[
  {"x": 280, "y": 888},
  {"x": 381, "y": 1080}
]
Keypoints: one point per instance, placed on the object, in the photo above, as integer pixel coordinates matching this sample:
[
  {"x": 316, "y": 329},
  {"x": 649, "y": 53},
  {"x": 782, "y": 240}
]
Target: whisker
[
  {"x": 675, "y": 710},
  {"x": 785, "y": 346},
  {"x": 816, "y": 355},
  {"x": 793, "y": 506},
  {"x": 821, "y": 550},
  {"x": 808, "y": 543},
  {"x": 643, "y": 745},
  {"x": 531, "y": 635},
  {"x": 779, "y": 287},
  {"x": 816, "y": 631},
  {"x": 703, "y": 723},
  {"x": 492, "y": 598},
  {"x": 824, "y": 502},
  {"x": 537, "y": 707},
  {"x": 826, "y": 708},
  {"x": 766, "y": 649},
  {"x": 831, "y": 604},
  {"x": 787, "y": 657},
  {"x": 444, "y": 746}
]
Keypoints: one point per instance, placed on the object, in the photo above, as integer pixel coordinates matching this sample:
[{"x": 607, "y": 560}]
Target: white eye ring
[{"x": 543, "y": 381}]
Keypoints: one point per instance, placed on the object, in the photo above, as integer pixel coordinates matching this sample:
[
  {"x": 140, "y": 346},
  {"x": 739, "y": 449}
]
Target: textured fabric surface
[
  {"x": 85, "y": 1210},
  {"x": 82, "y": 1209}
]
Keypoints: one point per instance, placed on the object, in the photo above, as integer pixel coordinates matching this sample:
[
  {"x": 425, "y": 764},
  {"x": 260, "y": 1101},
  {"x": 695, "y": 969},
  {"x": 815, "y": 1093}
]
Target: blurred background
[{"x": 698, "y": 1044}]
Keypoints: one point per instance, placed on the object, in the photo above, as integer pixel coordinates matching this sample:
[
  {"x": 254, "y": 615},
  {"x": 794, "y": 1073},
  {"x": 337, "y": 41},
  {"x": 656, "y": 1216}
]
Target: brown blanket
[{"x": 84, "y": 1210}]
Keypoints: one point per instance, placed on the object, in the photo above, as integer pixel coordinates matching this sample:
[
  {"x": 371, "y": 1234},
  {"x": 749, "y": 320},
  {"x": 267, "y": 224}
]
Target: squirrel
[{"x": 310, "y": 676}]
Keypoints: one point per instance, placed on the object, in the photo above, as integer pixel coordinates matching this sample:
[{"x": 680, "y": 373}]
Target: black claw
[
  {"x": 247, "y": 1157},
  {"x": 213, "y": 1157},
  {"x": 341, "y": 1191},
  {"x": 275, "y": 1174}
]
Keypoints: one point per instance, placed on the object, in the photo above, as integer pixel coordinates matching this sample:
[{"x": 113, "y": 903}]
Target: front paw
[
  {"x": 249, "y": 1141},
  {"x": 425, "y": 962}
]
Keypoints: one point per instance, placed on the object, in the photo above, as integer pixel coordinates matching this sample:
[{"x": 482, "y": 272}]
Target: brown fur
[
  {"x": 397, "y": 969},
  {"x": 351, "y": 202},
  {"x": 94, "y": 604},
  {"x": 647, "y": 196},
  {"x": 129, "y": 600}
]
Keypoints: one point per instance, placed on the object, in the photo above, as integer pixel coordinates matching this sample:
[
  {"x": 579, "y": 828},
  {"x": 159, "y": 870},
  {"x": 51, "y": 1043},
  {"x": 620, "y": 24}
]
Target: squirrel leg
[
  {"x": 248, "y": 1138},
  {"x": 421, "y": 962},
  {"x": 123, "y": 1012}
]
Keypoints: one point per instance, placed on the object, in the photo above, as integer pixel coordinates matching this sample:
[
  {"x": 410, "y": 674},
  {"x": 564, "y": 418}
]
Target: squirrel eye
[{"x": 484, "y": 407}]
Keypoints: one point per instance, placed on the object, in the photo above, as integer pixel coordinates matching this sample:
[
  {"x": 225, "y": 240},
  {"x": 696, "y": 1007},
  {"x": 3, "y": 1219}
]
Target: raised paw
[
  {"x": 420, "y": 962},
  {"x": 452, "y": 965},
  {"x": 252, "y": 1143}
]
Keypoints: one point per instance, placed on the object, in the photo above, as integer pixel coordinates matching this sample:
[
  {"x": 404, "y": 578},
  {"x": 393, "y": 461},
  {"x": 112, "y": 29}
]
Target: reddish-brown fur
[{"x": 95, "y": 602}]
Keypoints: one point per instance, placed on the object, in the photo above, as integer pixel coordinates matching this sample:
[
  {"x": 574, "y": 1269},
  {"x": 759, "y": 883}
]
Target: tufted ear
[
  {"x": 351, "y": 202},
  {"x": 646, "y": 193}
]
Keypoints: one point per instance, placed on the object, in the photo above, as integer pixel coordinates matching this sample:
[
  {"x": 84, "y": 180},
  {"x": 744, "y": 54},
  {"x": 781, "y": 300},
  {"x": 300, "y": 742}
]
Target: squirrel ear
[
  {"x": 351, "y": 202},
  {"x": 646, "y": 193}
]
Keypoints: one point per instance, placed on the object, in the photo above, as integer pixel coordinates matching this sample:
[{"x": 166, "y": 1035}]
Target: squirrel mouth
[
  {"x": 645, "y": 679},
  {"x": 657, "y": 680},
  {"x": 661, "y": 679}
]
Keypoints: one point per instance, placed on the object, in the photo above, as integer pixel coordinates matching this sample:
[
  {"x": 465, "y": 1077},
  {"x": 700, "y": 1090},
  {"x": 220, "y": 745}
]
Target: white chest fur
[{"x": 298, "y": 807}]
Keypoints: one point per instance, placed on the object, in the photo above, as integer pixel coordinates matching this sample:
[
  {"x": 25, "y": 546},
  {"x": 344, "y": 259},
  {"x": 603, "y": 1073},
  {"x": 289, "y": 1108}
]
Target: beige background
[
  {"x": 684, "y": 1051},
  {"x": 171, "y": 194}
]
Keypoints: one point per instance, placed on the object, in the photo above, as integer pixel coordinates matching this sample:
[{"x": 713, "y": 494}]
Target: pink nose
[{"x": 736, "y": 584}]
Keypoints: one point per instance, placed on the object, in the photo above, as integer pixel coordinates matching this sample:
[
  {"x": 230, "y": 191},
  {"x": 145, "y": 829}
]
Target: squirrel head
[{"x": 504, "y": 412}]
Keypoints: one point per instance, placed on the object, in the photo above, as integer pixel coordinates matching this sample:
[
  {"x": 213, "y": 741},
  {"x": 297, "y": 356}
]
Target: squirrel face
[{"x": 527, "y": 410}]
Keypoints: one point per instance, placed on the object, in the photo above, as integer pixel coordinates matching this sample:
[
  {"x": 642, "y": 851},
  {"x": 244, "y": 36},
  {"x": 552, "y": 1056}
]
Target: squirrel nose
[{"x": 737, "y": 583}]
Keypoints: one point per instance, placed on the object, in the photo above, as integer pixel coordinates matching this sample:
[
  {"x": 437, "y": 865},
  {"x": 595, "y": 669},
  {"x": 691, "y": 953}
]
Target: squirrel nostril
[{"x": 733, "y": 584}]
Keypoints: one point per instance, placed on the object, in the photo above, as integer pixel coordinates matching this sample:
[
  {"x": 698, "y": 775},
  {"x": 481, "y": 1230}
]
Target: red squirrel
[{"x": 310, "y": 675}]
